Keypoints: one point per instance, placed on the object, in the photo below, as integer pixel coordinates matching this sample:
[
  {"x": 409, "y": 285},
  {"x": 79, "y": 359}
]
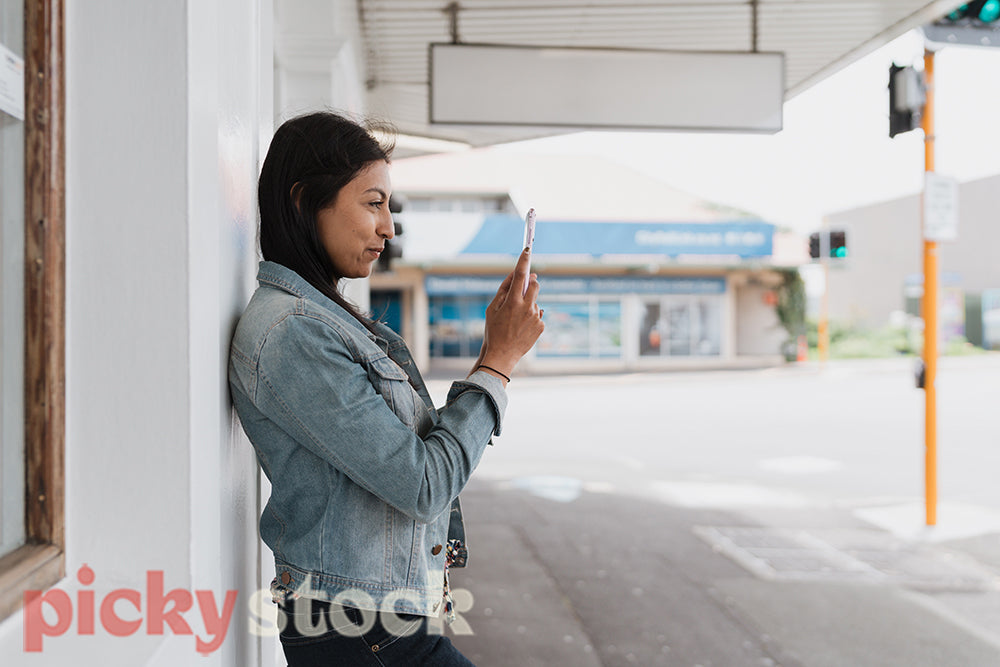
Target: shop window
[
  {"x": 31, "y": 299},
  {"x": 609, "y": 328},
  {"x": 387, "y": 308},
  {"x": 418, "y": 205},
  {"x": 650, "y": 330},
  {"x": 457, "y": 325},
  {"x": 582, "y": 328},
  {"x": 681, "y": 326}
]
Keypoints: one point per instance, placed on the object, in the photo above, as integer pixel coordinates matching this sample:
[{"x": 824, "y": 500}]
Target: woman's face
[{"x": 354, "y": 229}]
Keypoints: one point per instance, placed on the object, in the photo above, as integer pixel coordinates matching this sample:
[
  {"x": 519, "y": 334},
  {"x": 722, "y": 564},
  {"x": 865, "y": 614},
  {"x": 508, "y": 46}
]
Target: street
[
  {"x": 764, "y": 517},
  {"x": 846, "y": 434}
]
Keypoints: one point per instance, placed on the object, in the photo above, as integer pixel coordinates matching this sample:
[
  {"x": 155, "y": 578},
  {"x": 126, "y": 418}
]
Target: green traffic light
[
  {"x": 984, "y": 11},
  {"x": 990, "y": 11},
  {"x": 958, "y": 13},
  {"x": 839, "y": 253}
]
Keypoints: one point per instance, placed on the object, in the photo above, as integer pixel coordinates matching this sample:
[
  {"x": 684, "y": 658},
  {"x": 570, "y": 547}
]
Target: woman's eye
[{"x": 378, "y": 205}]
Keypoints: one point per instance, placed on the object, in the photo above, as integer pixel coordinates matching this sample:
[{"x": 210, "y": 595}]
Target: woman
[{"x": 363, "y": 517}]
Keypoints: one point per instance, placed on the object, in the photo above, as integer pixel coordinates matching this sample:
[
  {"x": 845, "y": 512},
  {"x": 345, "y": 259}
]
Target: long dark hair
[{"x": 310, "y": 159}]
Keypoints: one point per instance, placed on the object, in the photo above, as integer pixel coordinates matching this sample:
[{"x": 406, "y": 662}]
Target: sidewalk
[{"x": 603, "y": 579}]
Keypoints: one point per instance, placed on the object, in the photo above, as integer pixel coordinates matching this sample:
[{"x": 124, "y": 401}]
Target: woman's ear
[{"x": 296, "y": 194}]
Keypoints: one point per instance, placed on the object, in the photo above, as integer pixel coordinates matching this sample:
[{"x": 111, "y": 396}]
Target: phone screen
[{"x": 529, "y": 242}]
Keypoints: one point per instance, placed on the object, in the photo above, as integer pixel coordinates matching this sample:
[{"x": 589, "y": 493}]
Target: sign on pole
[{"x": 940, "y": 207}]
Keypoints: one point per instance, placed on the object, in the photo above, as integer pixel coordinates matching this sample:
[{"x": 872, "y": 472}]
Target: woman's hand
[{"x": 513, "y": 320}]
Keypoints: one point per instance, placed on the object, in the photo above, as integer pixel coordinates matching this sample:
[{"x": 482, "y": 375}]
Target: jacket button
[
  {"x": 436, "y": 550},
  {"x": 285, "y": 578}
]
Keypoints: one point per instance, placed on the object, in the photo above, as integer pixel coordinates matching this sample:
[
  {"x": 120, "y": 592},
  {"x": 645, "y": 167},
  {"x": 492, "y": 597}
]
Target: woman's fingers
[
  {"x": 505, "y": 285},
  {"x": 513, "y": 320},
  {"x": 533, "y": 286},
  {"x": 520, "y": 273},
  {"x": 502, "y": 292}
]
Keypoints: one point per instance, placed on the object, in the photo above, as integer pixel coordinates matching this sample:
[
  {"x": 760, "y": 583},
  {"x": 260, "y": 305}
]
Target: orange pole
[
  {"x": 930, "y": 314},
  {"x": 823, "y": 327}
]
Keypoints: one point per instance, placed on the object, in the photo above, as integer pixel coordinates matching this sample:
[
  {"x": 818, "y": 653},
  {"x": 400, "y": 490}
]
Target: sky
[{"x": 834, "y": 152}]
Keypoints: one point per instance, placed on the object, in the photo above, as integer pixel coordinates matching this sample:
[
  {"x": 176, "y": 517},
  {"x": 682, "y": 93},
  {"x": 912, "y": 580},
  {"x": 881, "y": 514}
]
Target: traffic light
[
  {"x": 973, "y": 24},
  {"x": 394, "y": 248},
  {"x": 983, "y": 11},
  {"x": 907, "y": 96},
  {"x": 988, "y": 11},
  {"x": 831, "y": 242},
  {"x": 838, "y": 244}
]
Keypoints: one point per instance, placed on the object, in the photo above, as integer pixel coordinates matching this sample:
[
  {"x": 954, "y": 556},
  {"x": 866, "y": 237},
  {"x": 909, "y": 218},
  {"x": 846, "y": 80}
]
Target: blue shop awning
[
  {"x": 502, "y": 234},
  {"x": 472, "y": 285}
]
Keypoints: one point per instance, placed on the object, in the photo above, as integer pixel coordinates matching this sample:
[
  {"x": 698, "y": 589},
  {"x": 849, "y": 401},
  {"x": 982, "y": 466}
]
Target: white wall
[
  {"x": 164, "y": 131},
  {"x": 230, "y": 55},
  {"x": 758, "y": 330}
]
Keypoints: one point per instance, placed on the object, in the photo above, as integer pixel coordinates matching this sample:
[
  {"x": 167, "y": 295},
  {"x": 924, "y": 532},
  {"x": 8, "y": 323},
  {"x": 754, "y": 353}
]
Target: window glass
[
  {"x": 609, "y": 329},
  {"x": 677, "y": 315},
  {"x": 708, "y": 331},
  {"x": 457, "y": 325},
  {"x": 475, "y": 324},
  {"x": 387, "y": 307},
  {"x": 444, "y": 323},
  {"x": 418, "y": 205},
  {"x": 650, "y": 330},
  {"x": 567, "y": 329},
  {"x": 583, "y": 328},
  {"x": 680, "y": 326},
  {"x": 12, "y": 517}
]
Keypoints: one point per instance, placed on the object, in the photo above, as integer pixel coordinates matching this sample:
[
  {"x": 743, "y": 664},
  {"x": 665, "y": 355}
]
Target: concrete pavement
[{"x": 569, "y": 575}]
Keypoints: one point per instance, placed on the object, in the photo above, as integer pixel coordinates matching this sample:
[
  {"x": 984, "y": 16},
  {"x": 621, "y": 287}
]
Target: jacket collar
[{"x": 281, "y": 277}]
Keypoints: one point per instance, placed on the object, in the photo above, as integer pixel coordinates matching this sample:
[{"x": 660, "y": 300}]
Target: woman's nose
[{"x": 387, "y": 227}]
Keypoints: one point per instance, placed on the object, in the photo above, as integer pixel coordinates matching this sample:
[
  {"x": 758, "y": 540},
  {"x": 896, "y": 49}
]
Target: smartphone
[{"x": 529, "y": 241}]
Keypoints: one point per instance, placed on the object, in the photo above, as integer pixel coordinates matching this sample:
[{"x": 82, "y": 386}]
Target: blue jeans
[{"x": 321, "y": 634}]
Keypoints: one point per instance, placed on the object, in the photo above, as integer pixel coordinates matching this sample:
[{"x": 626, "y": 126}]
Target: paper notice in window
[{"x": 11, "y": 83}]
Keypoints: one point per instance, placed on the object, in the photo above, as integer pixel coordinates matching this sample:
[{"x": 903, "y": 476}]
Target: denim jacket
[{"x": 365, "y": 473}]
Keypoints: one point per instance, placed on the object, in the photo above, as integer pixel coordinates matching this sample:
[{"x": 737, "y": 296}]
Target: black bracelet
[{"x": 489, "y": 368}]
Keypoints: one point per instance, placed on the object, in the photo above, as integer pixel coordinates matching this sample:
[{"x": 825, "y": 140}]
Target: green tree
[{"x": 791, "y": 306}]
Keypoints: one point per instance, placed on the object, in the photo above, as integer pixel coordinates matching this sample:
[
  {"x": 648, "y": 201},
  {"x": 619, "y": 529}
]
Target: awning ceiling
[{"x": 818, "y": 37}]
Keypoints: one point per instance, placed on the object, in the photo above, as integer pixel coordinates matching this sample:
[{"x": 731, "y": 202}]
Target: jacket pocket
[{"x": 393, "y": 385}]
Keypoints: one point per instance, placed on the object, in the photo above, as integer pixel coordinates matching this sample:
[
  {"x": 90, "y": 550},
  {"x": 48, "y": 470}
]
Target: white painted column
[{"x": 167, "y": 108}]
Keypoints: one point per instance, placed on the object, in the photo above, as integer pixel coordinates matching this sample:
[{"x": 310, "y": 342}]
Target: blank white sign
[
  {"x": 606, "y": 88},
  {"x": 940, "y": 207}
]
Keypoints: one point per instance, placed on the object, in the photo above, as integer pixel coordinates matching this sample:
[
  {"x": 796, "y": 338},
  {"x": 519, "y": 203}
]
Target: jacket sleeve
[{"x": 313, "y": 388}]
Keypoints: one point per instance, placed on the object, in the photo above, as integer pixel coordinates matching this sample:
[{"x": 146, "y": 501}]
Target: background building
[
  {"x": 884, "y": 271},
  {"x": 635, "y": 274}
]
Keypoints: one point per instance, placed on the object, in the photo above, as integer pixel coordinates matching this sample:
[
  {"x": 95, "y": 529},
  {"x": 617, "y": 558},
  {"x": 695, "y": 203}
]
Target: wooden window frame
[{"x": 41, "y": 561}]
